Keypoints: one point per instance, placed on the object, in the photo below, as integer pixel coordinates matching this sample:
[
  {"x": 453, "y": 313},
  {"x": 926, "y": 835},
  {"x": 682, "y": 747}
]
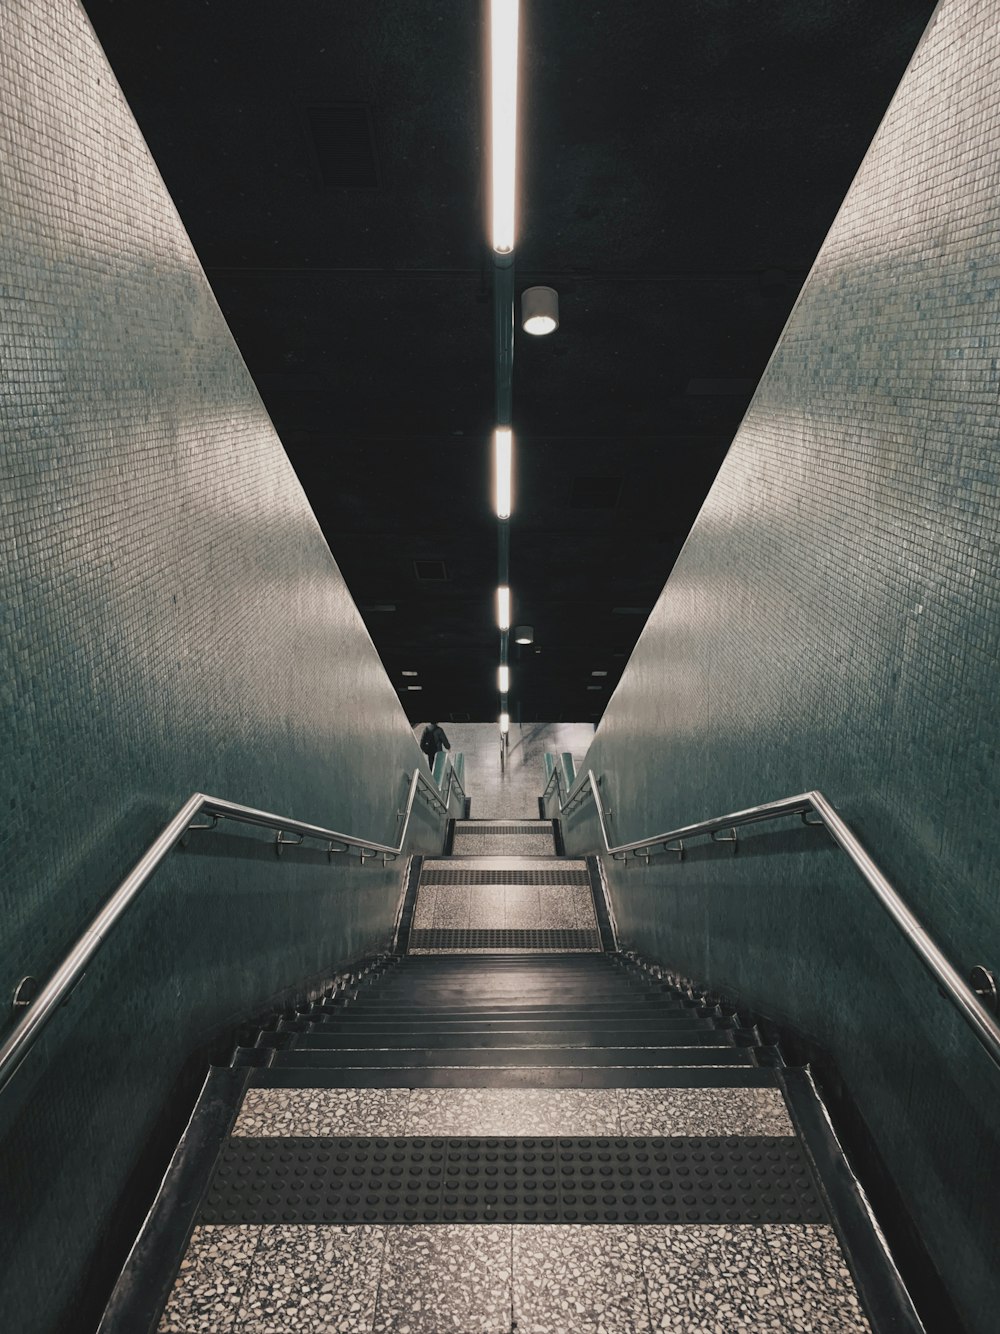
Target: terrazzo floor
[
  {"x": 506, "y": 1112},
  {"x": 425, "y": 1279},
  {"x": 513, "y": 1278},
  {"x": 558, "y": 905},
  {"x": 518, "y": 839},
  {"x": 509, "y": 907}
]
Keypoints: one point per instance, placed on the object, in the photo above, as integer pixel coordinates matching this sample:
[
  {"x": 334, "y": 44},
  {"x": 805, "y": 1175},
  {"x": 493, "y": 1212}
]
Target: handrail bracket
[
  {"x": 280, "y": 841},
  {"x": 718, "y": 836}
]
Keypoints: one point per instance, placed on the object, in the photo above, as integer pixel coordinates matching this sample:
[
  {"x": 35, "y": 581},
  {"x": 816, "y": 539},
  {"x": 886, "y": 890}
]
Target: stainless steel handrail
[
  {"x": 19, "y": 1041},
  {"x": 948, "y": 978}
]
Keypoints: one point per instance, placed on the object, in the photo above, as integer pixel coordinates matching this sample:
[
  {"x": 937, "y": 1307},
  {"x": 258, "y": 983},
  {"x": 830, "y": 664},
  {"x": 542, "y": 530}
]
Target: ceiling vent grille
[
  {"x": 595, "y": 493},
  {"x": 343, "y": 139},
  {"x": 430, "y": 571}
]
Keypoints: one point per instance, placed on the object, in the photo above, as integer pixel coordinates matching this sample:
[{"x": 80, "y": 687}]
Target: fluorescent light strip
[
  {"x": 503, "y": 607},
  {"x": 502, "y": 460},
  {"x": 503, "y": 679},
  {"x": 505, "y": 723},
  {"x": 503, "y": 92}
]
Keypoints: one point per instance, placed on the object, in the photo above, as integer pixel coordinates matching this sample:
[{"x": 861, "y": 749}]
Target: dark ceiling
[{"x": 680, "y": 166}]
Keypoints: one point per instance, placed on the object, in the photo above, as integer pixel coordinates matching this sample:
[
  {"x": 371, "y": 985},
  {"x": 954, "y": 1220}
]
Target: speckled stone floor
[
  {"x": 424, "y": 1279},
  {"x": 502, "y": 1277}
]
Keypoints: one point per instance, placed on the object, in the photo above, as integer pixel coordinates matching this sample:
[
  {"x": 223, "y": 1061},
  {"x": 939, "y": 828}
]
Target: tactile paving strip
[
  {"x": 499, "y": 938},
  {"x": 518, "y": 829},
  {"x": 571, "y": 876},
  {"x": 636, "y": 1180}
]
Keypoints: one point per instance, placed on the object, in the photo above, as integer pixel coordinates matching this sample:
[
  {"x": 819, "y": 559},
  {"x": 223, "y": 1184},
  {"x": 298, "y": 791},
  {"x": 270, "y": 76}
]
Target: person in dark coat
[{"x": 432, "y": 741}]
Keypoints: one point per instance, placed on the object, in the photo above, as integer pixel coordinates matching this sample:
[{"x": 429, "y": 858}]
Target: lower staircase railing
[
  {"x": 974, "y": 999},
  {"x": 37, "y": 1004}
]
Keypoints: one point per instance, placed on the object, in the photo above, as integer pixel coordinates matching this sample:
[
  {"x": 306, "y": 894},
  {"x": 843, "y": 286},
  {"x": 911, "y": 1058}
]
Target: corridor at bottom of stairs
[{"x": 526, "y": 1139}]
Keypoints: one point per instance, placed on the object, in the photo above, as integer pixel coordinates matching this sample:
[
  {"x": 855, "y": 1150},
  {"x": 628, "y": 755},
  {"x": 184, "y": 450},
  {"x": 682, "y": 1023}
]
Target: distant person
[{"x": 432, "y": 741}]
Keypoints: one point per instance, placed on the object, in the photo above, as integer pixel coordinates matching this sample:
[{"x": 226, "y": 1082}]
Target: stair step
[
  {"x": 453, "y": 998},
  {"x": 623, "y": 1010},
  {"x": 511, "y": 1057},
  {"x": 580, "y": 1077},
  {"x": 359, "y": 1028},
  {"x": 593, "y": 1039}
]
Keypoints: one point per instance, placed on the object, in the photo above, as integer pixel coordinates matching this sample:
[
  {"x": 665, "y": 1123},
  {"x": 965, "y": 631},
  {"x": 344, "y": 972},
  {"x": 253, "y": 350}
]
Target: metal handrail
[
  {"x": 953, "y": 985},
  {"x": 19, "y": 1041}
]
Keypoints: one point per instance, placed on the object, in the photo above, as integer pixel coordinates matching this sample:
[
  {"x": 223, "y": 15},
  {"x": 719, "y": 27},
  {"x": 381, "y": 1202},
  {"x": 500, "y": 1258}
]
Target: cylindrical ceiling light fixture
[
  {"x": 524, "y": 634},
  {"x": 502, "y": 487},
  {"x": 539, "y": 310},
  {"x": 503, "y": 116}
]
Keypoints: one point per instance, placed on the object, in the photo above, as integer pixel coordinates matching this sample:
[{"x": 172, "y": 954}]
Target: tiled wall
[
  {"x": 172, "y": 620},
  {"x": 834, "y": 622}
]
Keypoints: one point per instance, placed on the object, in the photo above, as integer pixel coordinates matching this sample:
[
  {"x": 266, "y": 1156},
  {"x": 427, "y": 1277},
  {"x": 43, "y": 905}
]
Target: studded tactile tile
[
  {"x": 435, "y": 938},
  {"x": 209, "y": 1286},
  {"x": 503, "y": 845},
  {"x": 703, "y": 1111},
  {"x": 438, "y": 1279},
  {"x": 471, "y": 828},
  {"x": 490, "y": 862},
  {"x": 534, "y": 1180},
  {"x": 555, "y": 875},
  {"x": 492, "y": 839},
  {"x": 345, "y": 1111},
  {"x": 313, "y": 1280},
  {"x": 573, "y": 949},
  {"x": 588, "y": 1280}
]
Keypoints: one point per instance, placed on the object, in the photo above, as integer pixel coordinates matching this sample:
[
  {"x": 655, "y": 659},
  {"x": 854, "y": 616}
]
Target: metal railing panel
[
  {"x": 951, "y": 982},
  {"x": 36, "y": 1014}
]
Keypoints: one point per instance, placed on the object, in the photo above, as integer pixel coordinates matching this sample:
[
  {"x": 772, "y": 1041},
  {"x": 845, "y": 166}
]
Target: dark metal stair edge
[
  {"x": 558, "y": 842},
  {"x": 784, "y": 1049},
  {"x": 883, "y": 1294},
  {"x": 401, "y": 936},
  {"x": 602, "y": 906},
  {"x": 533, "y": 1077},
  {"x": 142, "y": 1289}
]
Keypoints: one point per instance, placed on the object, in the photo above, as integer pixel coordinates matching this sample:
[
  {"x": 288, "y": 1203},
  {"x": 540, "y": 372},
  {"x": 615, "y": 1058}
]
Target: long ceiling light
[
  {"x": 503, "y": 87},
  {"x": 503, "y": 607},
  {"x": 505, "y": 723},
  {"x": 502, "y": 450},
  {"x": 503, "y": 679}
]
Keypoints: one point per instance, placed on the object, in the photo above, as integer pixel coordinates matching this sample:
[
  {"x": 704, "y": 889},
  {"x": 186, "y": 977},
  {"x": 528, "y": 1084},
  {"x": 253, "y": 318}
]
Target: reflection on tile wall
[
  {"x": 834, "y": 622},
  {"x": 172, "y": 621}
]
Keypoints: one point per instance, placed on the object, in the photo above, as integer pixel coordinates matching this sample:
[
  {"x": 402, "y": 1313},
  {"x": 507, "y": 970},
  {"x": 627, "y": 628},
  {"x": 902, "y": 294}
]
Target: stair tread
[
  {"x": 535, "y": 1024},
  {"x": 514, "y": 1056},
  {"x": 603, "y": 1077},
  {"x": 591, "y": 1040}
]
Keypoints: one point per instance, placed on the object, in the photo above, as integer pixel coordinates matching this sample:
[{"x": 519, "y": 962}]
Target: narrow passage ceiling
[{"x": 680, "y": 166}]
